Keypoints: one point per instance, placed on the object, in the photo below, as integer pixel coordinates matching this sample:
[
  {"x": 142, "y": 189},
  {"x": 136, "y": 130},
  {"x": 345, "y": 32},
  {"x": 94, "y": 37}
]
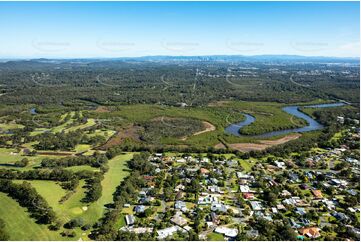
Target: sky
[{"x": 120, "y": 29}]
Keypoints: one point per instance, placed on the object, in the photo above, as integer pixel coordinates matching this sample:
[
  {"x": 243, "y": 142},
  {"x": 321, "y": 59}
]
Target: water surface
[{"x": 312, "y": 124}]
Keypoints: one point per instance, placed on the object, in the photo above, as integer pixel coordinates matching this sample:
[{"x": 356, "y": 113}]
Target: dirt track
[
  {"x": 208, "y": 127},
  {"x": 262, "y": 145}
]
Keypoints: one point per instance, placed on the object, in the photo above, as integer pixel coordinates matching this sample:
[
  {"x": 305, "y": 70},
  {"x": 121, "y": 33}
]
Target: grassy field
[
  {"x": 64, "y": 125},
  {"x": 9, "y": 156},
  {"x": 82, "y": 147},
  {"x": 50, "y": 190},
  {"x": 71, "y": 208},
  {"x": 19, "y": 225},
  {"x": 117, "y": 172},
  {"x": 111, "y": 180},
  {"x": 81, "y": 168},
  {"x": 90, "y": 122},
  {"x": 246, "y": 164},
  {"x": 215, "y": 237},
  {"x": 8, "y": 126},
  {"x": 74, "y": 207}
]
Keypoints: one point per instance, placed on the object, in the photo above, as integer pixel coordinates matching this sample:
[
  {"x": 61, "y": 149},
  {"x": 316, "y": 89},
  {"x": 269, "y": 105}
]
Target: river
[{"x": 312, "y": 124}]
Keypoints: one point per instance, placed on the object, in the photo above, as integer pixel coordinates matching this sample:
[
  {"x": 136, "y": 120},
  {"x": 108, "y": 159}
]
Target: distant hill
[{"x": 223, "y": 58}]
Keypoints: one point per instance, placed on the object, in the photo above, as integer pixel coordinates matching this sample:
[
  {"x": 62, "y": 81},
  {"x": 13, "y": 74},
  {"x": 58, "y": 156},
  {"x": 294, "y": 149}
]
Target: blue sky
[{"x": 111, "y": 29}]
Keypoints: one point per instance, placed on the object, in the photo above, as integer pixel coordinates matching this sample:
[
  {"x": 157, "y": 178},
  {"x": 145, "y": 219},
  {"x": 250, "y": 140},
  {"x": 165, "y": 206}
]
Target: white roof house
[
  {"x": 181, "y": 160},
  {"x": 241, "y": 175},
  {"x": 207, "y": 200},
  {"x": 244, "y": 188},
  {"x": 164, "y": 233},
  {"x": 229, "y": 232},
  {"x": 256, "y": 205},
  {"x": 219, "y": 207},
  {"x": 280, "y": 164}
]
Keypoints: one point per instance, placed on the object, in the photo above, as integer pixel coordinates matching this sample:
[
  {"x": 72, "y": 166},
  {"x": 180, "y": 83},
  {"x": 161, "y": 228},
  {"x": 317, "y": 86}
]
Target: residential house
[
  {"x": 311, "y": 232},
  {"x": 204, "y": 171},
  {"x": 317, "y": 194},
  {"x": 285, "y": 193},
  {"x": 139, "y": 209},
  {"x": 202, "y": 200},
  {"x": 248, "y": 195},
  {"x": 340, "y": 216},
  {"x": 218, "y": 207},
  {"x": 181, "y": 205},
  {"x": 139, "y": 230},
  {"x": 244, "y": 189},
  {"x": 228, "y": 232},
  {"x": 164, "y": 233},
  {"x": 300, "y": 211},
  {"x": 129, "y": 219},
  {"x": 215, "y": 189},
  {"x": 280, "y": 164},
  {"x": 177, "y": 219},
  {"x": 256, "y": 205},
  {"x": 329, "y": 204}
]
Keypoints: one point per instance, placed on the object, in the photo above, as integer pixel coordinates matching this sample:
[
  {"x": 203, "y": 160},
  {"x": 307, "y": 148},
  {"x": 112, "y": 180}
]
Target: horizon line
[{"x": 206, "y": 55}]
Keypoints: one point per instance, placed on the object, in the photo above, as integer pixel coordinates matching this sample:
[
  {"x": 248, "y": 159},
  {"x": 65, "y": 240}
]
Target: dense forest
[{"x": 173, "y": 82}]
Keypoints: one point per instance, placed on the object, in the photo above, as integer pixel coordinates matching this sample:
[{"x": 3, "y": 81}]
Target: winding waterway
[{"x": 312, "y": 124}]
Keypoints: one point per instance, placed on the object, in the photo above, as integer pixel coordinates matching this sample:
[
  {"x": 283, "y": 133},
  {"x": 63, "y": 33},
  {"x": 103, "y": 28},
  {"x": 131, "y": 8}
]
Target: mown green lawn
[
  {"x": 81, "y": 168},
  {"x": 71, "y": 208},
  {"x": 7, "y": 126},
  {"x": 247, "y": 166},
  {"x": 215, "y": 237},
  {"x": 18, "y": 224},
  {"x": 60, "y": 128},
  {"x": 90, "y": 122},
  {"x": 117, "y": 172},
  {"x": 49, "y": 190},
  {"x": 82, "y": 148},
  {"x": 9, "y": 156},
  {"x": 52, "y": 192},
  {"x": 112, "y": 179}
]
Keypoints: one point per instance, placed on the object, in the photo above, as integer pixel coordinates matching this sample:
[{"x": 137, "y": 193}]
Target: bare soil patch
[
  {"x": 220, "y": 146},
  {"x": 218, "y": 103},
  {"x": 262, "y": 145},
  {"x": 102, "y": 109},
  {"x": 281, "y": 140},
  {"x": 55, "y": 153}
]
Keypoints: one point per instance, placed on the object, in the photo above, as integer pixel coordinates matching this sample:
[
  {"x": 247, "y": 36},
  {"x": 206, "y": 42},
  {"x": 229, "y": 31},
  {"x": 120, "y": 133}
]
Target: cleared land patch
[
  {"x": 262, "y": 144},
  {"x": 132, "y": 132}
]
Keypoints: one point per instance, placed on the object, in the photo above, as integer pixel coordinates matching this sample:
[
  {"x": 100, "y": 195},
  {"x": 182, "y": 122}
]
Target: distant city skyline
[{"x": 133, "y": 29}]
